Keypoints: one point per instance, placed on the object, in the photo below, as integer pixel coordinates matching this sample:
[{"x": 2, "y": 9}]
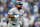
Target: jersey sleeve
[{"x": 10, "y": 11}]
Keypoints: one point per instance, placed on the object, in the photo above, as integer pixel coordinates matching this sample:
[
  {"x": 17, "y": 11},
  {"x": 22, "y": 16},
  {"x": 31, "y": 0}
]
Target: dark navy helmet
[{"x": 18, "y": 3}]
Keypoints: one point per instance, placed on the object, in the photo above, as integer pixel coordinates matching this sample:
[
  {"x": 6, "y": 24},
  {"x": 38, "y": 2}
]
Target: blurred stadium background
[{"x": 31, "y": 11}]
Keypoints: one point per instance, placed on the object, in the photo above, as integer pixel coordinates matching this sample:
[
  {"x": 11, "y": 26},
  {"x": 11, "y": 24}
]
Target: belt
[{"x": 14, "y": 24}]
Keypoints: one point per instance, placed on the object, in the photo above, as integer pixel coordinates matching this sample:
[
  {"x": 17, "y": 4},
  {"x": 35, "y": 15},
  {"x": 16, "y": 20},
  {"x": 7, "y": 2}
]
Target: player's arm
[
  {"x": 10, "y": 16},
  {"x": 13, "y": 16},
  {"x": 10, "y": 13}
]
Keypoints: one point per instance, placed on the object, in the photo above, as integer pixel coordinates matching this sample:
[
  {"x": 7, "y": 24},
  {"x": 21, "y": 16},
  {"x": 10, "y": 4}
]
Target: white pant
[{"x": 10, "y": 25}]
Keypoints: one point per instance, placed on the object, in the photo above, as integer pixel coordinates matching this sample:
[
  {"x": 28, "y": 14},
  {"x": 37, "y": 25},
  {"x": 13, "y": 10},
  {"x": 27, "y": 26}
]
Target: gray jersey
[{"x": 14, "y": 11}]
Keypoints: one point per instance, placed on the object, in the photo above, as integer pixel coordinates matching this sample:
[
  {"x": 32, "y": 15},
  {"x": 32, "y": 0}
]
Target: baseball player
[{"x": 15, "y": 14}]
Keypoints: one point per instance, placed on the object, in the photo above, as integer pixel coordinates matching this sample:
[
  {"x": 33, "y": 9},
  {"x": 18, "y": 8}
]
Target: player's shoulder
[
  {"x": 22, "y": 11},
  {"x": 12, "y": 9}
]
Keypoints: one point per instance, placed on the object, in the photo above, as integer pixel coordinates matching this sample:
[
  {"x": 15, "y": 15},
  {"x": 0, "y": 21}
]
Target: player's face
[{"x": 19, "y": 6}]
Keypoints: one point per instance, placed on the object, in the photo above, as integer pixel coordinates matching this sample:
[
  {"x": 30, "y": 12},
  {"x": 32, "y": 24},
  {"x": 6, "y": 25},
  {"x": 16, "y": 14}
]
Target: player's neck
[{"x": 18, "y": 9}]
